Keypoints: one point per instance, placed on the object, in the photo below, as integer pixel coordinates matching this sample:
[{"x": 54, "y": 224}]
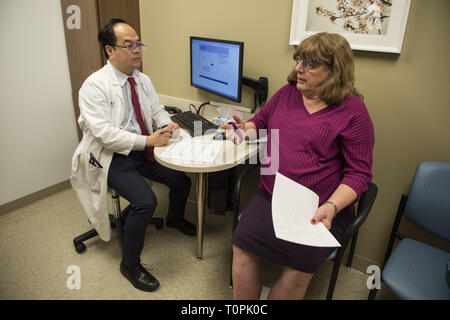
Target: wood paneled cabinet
[{"x": 82, "y": 21}]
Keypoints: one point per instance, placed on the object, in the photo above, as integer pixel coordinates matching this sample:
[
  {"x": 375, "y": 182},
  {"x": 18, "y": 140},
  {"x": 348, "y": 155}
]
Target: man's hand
[
  {"x": 160, "y": 137},
  {"x": 174, "y": 130},
  {"x": 172, "y": 127}
]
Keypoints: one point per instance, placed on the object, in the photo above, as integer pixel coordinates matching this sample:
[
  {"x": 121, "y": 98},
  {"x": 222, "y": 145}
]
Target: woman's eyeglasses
[{"x": 306, "y": 64}]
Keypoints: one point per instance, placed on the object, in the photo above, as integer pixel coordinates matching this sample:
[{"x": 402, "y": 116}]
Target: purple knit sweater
[{"x": 320, "y": 151}]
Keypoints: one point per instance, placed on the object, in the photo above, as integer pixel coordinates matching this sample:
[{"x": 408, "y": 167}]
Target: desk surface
[{"x": 231, "y": 155}]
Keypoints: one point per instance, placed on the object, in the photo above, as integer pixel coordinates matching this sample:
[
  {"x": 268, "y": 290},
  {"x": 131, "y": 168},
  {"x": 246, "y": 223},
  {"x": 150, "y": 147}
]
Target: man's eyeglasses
[
  {"x": 306, "y": 64},
  {"x": 131, "y": 47}
]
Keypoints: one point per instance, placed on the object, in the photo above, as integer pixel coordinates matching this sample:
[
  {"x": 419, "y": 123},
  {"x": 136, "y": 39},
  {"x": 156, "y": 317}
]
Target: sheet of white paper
[
  {"x": 293, "y": 207},
  {"x": 194, "y": 150}
]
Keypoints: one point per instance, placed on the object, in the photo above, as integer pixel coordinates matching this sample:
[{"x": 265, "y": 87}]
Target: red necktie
[{"x": 148, "y": 151}]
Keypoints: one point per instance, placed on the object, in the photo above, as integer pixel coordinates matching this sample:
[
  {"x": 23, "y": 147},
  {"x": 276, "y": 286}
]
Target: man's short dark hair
[{"x": 107, "y": 37}]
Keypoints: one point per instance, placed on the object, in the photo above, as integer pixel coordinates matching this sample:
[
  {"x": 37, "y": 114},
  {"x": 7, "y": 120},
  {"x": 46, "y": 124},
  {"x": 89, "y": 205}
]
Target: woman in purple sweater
[{"x": 326, "y": 140}]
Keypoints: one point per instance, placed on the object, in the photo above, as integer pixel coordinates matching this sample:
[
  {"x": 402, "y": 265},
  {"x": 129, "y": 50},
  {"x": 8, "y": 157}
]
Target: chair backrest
[{"x": 428, "y": 203}]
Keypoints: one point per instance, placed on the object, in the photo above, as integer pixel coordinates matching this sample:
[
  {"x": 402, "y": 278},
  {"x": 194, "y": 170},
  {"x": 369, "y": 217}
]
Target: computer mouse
[
  {"x": 172, "y": 110},
  {"x": 219, "y": 136}
]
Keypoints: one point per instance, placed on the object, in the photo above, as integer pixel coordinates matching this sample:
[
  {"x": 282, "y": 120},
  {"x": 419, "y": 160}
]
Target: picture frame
[{"x": 377, "y": 25}]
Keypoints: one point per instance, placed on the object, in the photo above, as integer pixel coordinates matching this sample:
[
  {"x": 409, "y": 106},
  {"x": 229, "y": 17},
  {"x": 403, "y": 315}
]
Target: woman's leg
[
  {"x": 291, "y": 285},
  {"x": 247, "y": 282}
]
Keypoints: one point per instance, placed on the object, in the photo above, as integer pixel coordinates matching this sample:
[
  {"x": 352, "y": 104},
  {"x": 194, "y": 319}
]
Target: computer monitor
[{"x": 216, "y": 66}]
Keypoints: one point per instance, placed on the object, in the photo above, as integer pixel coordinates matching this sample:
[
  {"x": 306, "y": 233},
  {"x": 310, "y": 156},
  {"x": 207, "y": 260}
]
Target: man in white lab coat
[{"x": 118, "y": 105}]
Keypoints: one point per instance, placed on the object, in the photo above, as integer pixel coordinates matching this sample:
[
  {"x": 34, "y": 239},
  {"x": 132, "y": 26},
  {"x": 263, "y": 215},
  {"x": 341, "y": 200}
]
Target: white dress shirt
[{"x": 129, "y": 122}]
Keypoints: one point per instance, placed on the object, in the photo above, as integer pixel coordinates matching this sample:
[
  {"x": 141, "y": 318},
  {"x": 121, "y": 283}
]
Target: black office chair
[
  {"x": 117, "y": 219},
  {"x": 415, "y": 270},
  {"x": 365, "y": 204}
]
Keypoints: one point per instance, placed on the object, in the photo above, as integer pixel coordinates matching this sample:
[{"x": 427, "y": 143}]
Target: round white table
[{"x": 230, "y": 156}]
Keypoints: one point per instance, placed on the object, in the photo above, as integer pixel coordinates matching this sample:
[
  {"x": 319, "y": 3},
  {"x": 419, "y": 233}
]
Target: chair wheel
[
  {"x": 159, "y": 225},
  {"x": 80, "y": 247}
]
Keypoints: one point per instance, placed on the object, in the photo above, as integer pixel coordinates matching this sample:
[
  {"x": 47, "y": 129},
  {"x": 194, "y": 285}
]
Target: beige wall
[
  {"x": 407, "y": 95},
  {"x": 37, "y": 131},
  {"x": 263, "y": 25}
]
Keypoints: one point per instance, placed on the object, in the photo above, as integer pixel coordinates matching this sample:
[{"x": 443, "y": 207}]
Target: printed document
[
  {"x": 194, "y": 150},
  {"x": 293, "y": 207}
]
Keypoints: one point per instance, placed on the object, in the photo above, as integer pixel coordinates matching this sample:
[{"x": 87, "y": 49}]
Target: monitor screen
[{"x": 216, "y": 66}]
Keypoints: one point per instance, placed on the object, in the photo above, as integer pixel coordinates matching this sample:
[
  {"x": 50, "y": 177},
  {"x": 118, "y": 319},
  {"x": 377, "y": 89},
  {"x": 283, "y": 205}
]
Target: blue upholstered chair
[
  {"x": 415, "y": 270},
  {"x": 365, "y": 203}
]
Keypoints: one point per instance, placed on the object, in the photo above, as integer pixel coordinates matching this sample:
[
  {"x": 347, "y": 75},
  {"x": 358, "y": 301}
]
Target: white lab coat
[{"x": 101, "y": 104}]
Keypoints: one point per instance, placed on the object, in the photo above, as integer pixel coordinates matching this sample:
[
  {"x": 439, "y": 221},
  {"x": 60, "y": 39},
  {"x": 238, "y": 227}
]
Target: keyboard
[{"x": 187, "y": 119}]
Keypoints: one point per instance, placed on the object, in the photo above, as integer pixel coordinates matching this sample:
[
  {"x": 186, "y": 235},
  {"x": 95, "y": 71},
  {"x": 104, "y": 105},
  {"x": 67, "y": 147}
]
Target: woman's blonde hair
[{"x": 331, "y": 50}]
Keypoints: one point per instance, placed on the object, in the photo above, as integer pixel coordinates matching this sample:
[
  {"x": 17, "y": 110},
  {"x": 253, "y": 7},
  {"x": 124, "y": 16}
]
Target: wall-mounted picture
[{"x": 371, "y": 25}]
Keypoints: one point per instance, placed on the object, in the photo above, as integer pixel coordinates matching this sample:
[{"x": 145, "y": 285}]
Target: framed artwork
[{"x": 370, "y": 25}]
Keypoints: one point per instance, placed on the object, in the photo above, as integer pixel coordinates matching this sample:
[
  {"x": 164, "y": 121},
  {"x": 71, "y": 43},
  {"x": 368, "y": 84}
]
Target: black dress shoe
[
  {"x": 183, "y": 225},
  {"x": 140, "y": 278}
]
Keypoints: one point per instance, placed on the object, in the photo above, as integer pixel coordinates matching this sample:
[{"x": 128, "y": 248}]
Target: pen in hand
[{"x": 162, "y": 132}]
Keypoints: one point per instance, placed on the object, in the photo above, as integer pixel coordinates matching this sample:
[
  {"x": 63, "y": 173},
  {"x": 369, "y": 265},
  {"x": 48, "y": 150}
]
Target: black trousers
[{"x": 125, "y": 175}]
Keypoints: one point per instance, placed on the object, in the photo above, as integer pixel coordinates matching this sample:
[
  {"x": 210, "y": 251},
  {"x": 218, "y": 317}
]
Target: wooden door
[
  {"x": 84, "y": 53},
  {"x": 127, "y": 10},
  {"x": 83, "y": 49}
]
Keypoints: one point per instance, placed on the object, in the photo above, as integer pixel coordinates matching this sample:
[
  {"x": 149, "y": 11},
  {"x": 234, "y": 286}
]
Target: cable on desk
[
  {"x": 193, "y": 106},
  {"x": 201, "y": 106}
]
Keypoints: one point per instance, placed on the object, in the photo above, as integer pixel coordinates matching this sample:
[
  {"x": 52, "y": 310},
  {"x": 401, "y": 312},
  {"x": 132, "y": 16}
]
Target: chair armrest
[
  {"x": 365, "y": 204},
  {"x": 245, "y": 169},
  {"x": 240, "y": 176}
]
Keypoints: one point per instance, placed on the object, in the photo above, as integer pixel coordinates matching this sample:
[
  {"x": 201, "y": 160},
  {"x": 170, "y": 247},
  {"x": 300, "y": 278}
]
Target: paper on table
[
  {"x": 193, "y": 150},
  {"x": 293, "y": 207}
]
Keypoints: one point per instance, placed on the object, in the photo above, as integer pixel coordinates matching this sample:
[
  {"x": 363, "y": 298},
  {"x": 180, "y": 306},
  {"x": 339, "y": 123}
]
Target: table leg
[{"x": 200, "y": 213}]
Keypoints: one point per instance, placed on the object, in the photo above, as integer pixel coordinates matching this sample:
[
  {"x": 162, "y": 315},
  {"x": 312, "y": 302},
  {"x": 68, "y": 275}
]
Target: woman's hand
[
  {"x": 341, "y": 198},
  {"x": 324, "y": 214},
  {"x": 235, "y": 131},
  {"x": 239, "y": 123}
]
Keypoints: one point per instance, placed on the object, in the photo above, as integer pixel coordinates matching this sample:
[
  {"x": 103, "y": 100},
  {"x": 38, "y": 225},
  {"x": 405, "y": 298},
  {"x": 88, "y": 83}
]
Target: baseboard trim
[
  {"x": 38, "y": 195},
  {"x": 359, "y": 263}
]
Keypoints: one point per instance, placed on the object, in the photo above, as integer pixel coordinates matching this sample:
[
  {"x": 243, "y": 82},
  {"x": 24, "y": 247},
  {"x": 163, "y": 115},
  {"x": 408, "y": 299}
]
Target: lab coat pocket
[
  {"x": 94, "y": 172},
  {"x": 94, "y": 179}
]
